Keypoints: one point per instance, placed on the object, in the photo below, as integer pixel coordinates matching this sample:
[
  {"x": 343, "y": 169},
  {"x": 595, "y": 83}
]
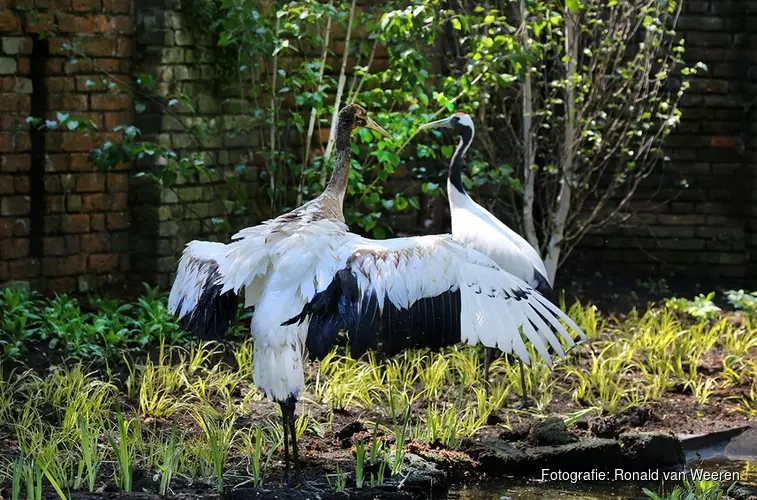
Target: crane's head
[
  {"x": 356, "y": 116},
  {"x": 460, "y": 122}
]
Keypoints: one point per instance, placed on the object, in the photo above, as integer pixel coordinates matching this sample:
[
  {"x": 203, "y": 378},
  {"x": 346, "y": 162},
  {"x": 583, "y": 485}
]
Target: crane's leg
[
  {"x": 286, "y": 438},
  {"x": 525, "y": 403},
  {"x": 488, "y": 354},
  {"x": 290, "y": 427}
]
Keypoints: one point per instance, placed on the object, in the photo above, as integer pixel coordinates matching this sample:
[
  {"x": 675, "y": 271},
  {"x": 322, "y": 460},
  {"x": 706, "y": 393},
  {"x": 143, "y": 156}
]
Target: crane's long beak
[
  {"x": 369, "y": 123},
  {"x": 445, "y": 122}
]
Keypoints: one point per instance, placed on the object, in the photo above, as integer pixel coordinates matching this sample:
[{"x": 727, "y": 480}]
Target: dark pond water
[{"x": 602, "y": 490}]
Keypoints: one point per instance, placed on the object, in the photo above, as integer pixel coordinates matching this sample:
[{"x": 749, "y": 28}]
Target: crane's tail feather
[{"x": 196, "y": 297}]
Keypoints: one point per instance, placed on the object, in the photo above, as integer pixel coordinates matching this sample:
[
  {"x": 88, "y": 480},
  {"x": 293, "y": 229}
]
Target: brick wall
[
  {"x": 63, "y": 227},
  {"x": 708, "y": 228}
]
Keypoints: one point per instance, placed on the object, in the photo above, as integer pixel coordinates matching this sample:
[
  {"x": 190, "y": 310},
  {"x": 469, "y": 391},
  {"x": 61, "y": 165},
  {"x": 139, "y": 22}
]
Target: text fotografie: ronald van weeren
[{"x": 647, "y": 475}]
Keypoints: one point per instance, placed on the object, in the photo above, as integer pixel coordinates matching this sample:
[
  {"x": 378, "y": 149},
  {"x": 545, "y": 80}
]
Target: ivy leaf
[
  {"x": 62, "y": 117},
  {"x": 140, "y": 107},
  {"x": 72, "y": 125},
  {"x": 456, "y": 24}
]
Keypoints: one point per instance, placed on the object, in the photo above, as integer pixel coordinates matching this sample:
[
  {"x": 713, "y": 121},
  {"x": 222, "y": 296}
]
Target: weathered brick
[
  {"x": 17, "y": 45},
  {"x": 118, "y": 201},
  {"x": 95, "y": 243},
  {"x": 103, "y": 262},
  {"x": 21, "y": 185},
  {"x": 61, "y": 285},
  {"x": 52, "y": 184},
  {"x": 21, "y": 227},
  {"x": 15, "y": 205},
  {"x": 115, "y": 118},
  {"x": 117, "y": 6},
  {"x": 97, "y": 222},
  {"x": 8, "y": 66},
  {"x": 117, "y": 182},
  {"x": 89, "y": 183},
  {"x": 75, "y": 223},
  {"x": 118, "y": 220},
  {"x": 101, "y": 47},
  {"x": 86, "y": 5},
  {"x": 700, "y": 23},
  {"x": 74, "y": 142},
  {"x": 122, "y": 24},
  {"x": 23, "y": 268},
  {"x": 95, "y": 202},
  {"x": 6, "y": 184},
  {"x": 54, "y": 204},
  {"x": 723, "y": 142},
  {"x": 15, "y": 248},
  {"x": 690, "y": 219},
  {"x": 70, "y": 265},
  {"x": 9, "y": 22},
  {"x": 110, "y": 102},
  {"x": 68, "y": 102},
  {"x": 39, "y": 22},
  {"x": 54, "y": 246},
  {"x": 73, "y": 203}
]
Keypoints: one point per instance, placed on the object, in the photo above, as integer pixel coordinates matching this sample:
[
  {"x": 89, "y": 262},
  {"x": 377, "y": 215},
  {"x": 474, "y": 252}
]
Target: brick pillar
[
  {"x": 16, "y": 262},
  {"x": 181, "y": 57},
  {"x": 63, "y": 226}
]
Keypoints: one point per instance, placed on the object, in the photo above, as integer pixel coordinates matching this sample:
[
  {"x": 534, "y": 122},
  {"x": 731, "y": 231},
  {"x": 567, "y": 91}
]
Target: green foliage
[
  {"x": 106, "y": 330},
  {"x": 690, "y": 490},
  {"x": 19, "y": 320},
  {"x": 701, "y": 307}
]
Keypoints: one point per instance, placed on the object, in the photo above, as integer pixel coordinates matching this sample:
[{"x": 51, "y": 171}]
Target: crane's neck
[
  {"x": 456, "y": 165},
  {"x": 337, "y": 185}
]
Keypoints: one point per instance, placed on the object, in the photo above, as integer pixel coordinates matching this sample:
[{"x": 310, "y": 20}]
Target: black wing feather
[
  {"x": 214, "y": 313},
  {"x": 429, "y": 322}
]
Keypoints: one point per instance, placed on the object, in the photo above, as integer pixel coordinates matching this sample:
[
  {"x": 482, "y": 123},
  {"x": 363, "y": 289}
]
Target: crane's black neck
[
  {"x": 456, "y": 165},
  {"x": 337, "y": 185}
]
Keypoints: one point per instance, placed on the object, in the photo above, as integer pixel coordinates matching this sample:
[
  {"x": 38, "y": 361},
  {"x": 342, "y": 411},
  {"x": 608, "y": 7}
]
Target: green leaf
[
  {"x": 573, "y": 5},
  {"x": 456, "y": 24},
  {"x": 140, "y": 107}
]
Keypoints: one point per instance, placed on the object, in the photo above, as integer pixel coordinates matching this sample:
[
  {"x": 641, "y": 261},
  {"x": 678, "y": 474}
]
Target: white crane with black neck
[
  {"x": 309, "y": 278},
  {"x": 479, "y": 229}
]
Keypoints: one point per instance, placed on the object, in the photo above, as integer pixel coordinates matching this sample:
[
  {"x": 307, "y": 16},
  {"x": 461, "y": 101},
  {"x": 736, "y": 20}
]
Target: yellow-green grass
[{"x": 188, "y": 415}]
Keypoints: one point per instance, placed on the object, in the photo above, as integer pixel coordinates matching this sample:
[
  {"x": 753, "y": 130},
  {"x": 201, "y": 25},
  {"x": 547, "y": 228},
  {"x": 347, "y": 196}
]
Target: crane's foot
[
  {"x": 298, "y": 481},
  {"x": 524, "y": 404}
]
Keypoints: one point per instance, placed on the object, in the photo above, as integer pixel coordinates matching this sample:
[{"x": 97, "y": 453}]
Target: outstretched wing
[
  {"x": 196, "y": 297},
  {"x": 428, "y": 291}
]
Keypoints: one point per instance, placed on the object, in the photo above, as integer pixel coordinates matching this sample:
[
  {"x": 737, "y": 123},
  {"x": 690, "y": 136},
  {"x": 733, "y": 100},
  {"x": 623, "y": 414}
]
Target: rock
[
  {"x": 551, "y": 431},
  {"x": 644, "y": 450},
  {"x": 518, "y": 432},
  {"x": 580, "y": 456},
  {"x": 744, "y": 445},
  {"x": 743, "y": 492},
  {"x": 497, "y": 458},
  {"x": 423, "y": 476},
  {"x": 605, "y": 427},
  {"x": 344, "y": 435}
]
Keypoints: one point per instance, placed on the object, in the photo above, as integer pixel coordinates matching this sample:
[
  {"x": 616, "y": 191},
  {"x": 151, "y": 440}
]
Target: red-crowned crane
[
  {"x": 309, "y": 278},
  {"x": 479, "y": 229}
]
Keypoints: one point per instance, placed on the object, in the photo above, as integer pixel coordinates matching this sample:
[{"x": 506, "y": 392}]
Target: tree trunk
[
  {"x": 339, "y": 91},
  {"x": 563, "y": 200},
  {"x": 529, "y": 175},
  {"x": 311, "y": 124}
]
